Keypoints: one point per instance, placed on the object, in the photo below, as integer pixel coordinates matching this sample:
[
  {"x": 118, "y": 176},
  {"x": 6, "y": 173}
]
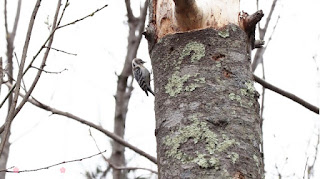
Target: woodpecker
[{"x": 142, "y": 75}]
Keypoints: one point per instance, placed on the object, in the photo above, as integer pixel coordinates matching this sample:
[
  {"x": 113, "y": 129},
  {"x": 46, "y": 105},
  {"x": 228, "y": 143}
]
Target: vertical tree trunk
[
  {"x": 10, "y": 37},
  {"x": 207, "y": 114},
  {"x": 6, "y": 150},
  {"x": 123, "y": 94}
]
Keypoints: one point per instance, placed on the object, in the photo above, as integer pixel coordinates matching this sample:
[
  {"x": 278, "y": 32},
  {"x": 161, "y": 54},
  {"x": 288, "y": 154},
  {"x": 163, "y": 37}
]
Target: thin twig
[
  {"x": 135, "y": 168},
  {"x": 45, "y": 56},
  {"x": 95, "y": 142},
  {"x": 50, "y": 166},
  {"x": 262, "y": 32},
  {"x": 35, "y": 56},
  {"x": 23, "y": 83},
  {"x": 286, "y": 94},
  {"x": 262, "y": 109},
  {"x": 76, "y": 118},
  {"x": 305, "y": 167},
  {"x": 39, "y": 51},
  {"x": 90, "y": 15},
  {"x": 62, "y": 51},
  {"x": 311, "y": 167},
  {"x": 263, "y": 92},
  {"x": 6, "y": 97},
  {"x": 17, "y": 89},
  {"x": 49, "y": 71},
  {"x": 117, "y": 167},
  {"x": 271, "y": 35}
]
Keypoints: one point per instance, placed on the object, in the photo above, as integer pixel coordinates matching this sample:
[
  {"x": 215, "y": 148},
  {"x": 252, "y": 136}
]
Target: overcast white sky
[{"x": 87, "y": 89}]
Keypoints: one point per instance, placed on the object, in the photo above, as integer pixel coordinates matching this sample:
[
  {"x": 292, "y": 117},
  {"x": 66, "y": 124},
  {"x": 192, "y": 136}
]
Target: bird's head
[{"x": 137, "y": 62}]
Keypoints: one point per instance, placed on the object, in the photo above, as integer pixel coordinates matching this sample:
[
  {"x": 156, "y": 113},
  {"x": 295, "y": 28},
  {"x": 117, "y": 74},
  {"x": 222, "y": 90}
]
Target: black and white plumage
[{"x": 142, "y": 75}]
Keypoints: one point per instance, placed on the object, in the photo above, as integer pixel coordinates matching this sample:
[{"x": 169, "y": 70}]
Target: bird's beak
[{"x": 143, "y": 61}]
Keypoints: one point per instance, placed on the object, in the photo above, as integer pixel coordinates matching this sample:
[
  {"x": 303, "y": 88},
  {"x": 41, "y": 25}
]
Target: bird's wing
[{"x": 137, "y": 73}]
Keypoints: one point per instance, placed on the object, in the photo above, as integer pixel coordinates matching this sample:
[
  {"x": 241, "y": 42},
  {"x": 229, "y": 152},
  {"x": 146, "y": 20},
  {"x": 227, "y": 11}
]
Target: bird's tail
[{"x": 150, "y": 90}]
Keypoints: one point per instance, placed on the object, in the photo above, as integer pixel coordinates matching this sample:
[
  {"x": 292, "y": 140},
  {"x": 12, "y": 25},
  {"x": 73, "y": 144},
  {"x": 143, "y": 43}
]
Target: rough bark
[
  {"x": 207, "y": 114},
  {"x": 123, "y": 94}
]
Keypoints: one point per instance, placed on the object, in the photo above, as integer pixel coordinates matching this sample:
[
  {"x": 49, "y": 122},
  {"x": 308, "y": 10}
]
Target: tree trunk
[
  {"x": 10, "y": 37},
  {"x": 207, "y": 114},
  {"x": 123, "y": 94}
]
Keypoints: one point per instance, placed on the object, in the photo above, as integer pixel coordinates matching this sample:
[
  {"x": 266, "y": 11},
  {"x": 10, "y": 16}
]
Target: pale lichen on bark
[
  {"x": 176, "y": 82},
  {"x": 197, "y": 50},
  {"x": 203, "y": 126},
  {"x": 198, "y": 131}
]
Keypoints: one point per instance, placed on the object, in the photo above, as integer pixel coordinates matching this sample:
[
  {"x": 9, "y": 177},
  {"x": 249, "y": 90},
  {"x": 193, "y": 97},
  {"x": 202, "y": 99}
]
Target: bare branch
[
  {"x": 39, "y": 51},
  {"x": 16, "y": 20},
  {"x": 134, "y": 168},
  {"x": 45, "y": 56},
  {"x": 258, "y": 43},
  {"x": 273, "y": 30},
  {"x": 257, "y": 4},
  {"x": 2, "y": 128},
  {"x": 50, "y": 166},
  {"x": 6, "y": 97},
  {"x": 263, "y": 93},
  {"x": 129, "y": 11},
  {"x": 50, "y": 71},
  {"x": 311, "y": 167},
  {"x": 23, "y": 83},
  {"x": 123, "y": 95},
  {"x": 1, "y": 74},
  {"x": 61, "y": 51},
  {"x": 6, "y": 17},
  {"x": 262, "y": 109},
  {"x": 106, "y": 132},
  {"x": 23, "y": 59},
  {"x": 90, "y": 15},
  {"x": 305, "y": 167},
  {"x": 286, "y": 94},
  {"x": 117, "y": 167},
  {"x": 262, "y": 32}
]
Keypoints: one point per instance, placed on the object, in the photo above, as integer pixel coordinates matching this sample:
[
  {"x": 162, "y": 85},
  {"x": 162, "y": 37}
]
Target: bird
[{"x": 142, "y": 75}]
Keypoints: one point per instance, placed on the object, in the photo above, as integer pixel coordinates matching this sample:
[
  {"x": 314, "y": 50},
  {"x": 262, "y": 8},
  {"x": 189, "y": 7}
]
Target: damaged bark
[
  {"x": 206, "y": 108},
  {"x": 207, "y": 114}
]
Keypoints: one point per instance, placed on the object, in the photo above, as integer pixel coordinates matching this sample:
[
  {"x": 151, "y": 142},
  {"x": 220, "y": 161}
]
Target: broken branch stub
[
  {"x": 173, "y": 16},
  {"x": 248, "y": 24}
]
